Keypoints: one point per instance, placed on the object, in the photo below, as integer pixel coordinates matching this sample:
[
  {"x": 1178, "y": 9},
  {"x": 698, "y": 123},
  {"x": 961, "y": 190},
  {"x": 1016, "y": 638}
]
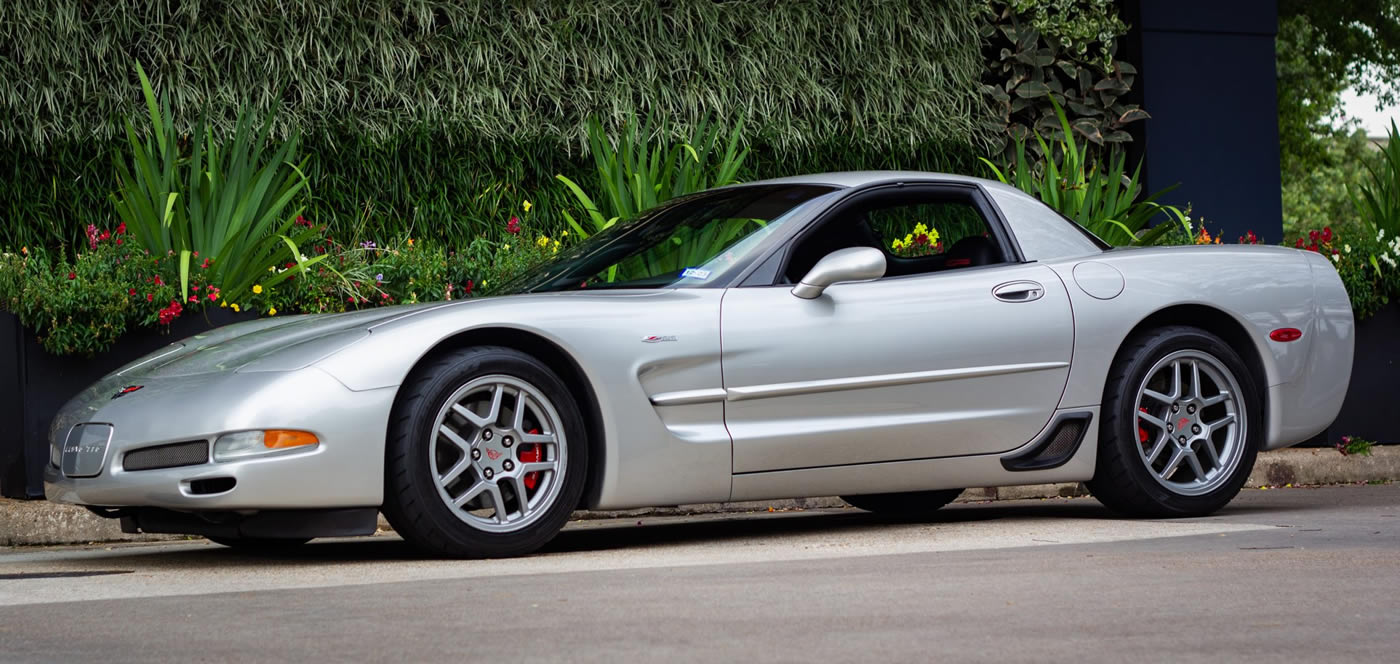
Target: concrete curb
[{"x": 44, "y": 523}]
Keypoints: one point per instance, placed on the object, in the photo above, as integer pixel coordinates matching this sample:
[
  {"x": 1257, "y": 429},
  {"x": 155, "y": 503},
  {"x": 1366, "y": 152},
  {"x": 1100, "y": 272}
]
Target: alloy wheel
[
  {"x": 1190, "y": 421},
  {"x": 498, "y": 453}
]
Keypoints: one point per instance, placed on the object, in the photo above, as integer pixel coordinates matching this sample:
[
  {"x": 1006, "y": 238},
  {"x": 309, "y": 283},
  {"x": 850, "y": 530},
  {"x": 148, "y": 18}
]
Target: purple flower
[
  {"x": 379, "y": 277},
  {"x": 367, "y": 244}
]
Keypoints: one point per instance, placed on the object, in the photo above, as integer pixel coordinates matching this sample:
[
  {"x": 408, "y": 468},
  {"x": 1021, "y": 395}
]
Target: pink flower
[
  {"x": 72, "y": 275},
  {"x": 513, "y": 226}
]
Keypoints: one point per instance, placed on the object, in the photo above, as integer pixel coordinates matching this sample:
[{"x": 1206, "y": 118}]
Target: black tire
[
  {"x": 1122, "y": 481},
  {"x": 260, "y": 544},
  {"x": 908, "y": 504},
  {"x": 412, "y": 503}
]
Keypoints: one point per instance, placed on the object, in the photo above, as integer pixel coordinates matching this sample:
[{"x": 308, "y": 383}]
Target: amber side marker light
[
  {"x": 1286, "y": 334},
  {"x": 244, "y": 444},
  {"x": 277, "y": 439}
]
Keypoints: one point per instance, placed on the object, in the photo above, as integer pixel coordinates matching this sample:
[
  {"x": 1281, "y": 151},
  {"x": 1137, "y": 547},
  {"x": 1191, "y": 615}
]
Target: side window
[
  {"x": 925, "y": 229},
  {"x": 921, "y": 230}
]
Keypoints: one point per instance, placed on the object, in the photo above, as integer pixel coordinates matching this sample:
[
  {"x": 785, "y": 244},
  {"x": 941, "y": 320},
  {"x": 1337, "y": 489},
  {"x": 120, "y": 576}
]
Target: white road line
[{"x": 186, "y": 568}]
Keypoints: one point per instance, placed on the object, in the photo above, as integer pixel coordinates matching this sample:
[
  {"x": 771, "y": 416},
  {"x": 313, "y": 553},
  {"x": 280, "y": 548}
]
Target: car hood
[
  {"x": 267, "y": 344},
  {"x": 287, "y": 343}
]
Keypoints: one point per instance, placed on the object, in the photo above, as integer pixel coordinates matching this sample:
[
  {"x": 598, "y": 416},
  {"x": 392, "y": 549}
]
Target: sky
[{"x": 1363, "y": 107}]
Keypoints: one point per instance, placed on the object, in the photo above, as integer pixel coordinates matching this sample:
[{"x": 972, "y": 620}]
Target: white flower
[
  {"x": 1380, "y": 234},
  {"x": 1388, "y": 260},
  {"x": 1336, "y": 258},
  {"x": 1347, "y": 247}
]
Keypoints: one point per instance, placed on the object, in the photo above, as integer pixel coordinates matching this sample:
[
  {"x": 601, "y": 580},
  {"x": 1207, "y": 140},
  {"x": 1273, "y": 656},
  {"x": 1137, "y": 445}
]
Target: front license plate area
[{"x": 85, "y": 450}]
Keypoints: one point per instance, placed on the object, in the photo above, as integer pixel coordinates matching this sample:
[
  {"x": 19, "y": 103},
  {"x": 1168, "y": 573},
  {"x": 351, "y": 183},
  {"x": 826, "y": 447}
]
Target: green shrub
[
  {"x": 1099, "y": 195},
  {"x": 411, "y": 113},
  {"x": 227, "y": 199},
  {"x": 1039, "y": 51},
  {"x": 637, "y": 171},
  {"x": 82, "y": 306},
  {"x": 1377, "y": 198}
]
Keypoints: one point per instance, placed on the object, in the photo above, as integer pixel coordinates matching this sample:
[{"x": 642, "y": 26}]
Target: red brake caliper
[
  {"x": 531, "y": 454},
  {"x": 1142, "y": 433}
]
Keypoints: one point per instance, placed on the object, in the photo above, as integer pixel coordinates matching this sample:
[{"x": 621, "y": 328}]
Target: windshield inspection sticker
[{"x": 695, "y": 273}]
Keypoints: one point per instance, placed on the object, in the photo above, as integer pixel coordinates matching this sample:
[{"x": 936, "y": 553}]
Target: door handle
[{"x": 1018, "y": 291}]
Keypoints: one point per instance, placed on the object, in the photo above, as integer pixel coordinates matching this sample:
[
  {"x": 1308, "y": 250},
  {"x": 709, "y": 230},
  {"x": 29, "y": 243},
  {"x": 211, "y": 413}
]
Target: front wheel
[
  {"x": 908, "y": 504},
  {"x": 1181, "y": 426},
  {"x": 486, "y": 455}
]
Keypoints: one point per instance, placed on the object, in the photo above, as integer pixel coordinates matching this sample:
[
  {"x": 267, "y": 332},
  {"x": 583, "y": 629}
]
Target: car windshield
[{"x": 694, "y": 242}]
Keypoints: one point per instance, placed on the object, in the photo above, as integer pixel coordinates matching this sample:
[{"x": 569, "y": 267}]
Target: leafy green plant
[
  {"x": 1044, "y": 51},
  {"x": 639, "y": 170},
  {"x": 1099, "y": 195},
  {"x": 81, "y": 306},
  {"x": 1354, "y": 445},
  {"x": 225, "y": 200},
  {"x": 1377, "y": 199}
]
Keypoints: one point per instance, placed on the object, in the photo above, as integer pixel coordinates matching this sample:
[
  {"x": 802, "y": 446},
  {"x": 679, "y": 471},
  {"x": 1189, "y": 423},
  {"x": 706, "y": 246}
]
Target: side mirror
[{"x": 853, "y": 264}]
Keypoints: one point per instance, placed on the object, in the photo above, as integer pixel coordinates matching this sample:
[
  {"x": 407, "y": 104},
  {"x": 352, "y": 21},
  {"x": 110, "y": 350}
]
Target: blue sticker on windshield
[{"x": 695, "y": 273}]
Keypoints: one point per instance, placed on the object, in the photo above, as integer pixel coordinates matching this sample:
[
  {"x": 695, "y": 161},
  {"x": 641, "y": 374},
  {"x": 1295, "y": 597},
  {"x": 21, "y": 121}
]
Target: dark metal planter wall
[
  {"x": 35, "y": 384},
  {"x": 1372, "y": 406}
]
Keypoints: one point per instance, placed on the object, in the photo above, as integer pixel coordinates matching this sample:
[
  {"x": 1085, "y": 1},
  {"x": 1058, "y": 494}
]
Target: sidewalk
[{"x": 44, "y": 523}]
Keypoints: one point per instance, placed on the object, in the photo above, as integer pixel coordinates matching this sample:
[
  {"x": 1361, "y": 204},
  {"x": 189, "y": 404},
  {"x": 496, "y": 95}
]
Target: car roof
[{"x": 862, "y": 178}]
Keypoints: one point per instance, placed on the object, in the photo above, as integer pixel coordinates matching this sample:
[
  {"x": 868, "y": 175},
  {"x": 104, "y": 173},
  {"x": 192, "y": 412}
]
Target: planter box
[
  {"x": 1372, "y": 407},
  {"x": 35, "y": 384}
]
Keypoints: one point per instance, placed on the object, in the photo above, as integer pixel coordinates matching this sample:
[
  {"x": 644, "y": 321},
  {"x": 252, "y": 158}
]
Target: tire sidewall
[
  {"x": 1125, "y": 434},
  {"x": 454, "y": 533}
]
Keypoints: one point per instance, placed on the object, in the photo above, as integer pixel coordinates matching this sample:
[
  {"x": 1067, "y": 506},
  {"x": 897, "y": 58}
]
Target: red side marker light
[{"x": 1286, "y": 334}]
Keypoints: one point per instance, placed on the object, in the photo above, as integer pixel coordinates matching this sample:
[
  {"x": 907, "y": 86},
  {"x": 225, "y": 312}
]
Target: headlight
[{"x": 245, "y": 444}]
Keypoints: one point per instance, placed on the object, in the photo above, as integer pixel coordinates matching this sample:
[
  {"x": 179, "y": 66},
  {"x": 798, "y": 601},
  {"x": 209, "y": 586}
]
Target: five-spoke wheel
[
  {"x": 1180, "y": 424},
  {"x": 486, "y": 454}
]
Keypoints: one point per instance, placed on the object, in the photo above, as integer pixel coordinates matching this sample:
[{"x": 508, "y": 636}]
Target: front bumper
[{"x": 344, "y": 470}]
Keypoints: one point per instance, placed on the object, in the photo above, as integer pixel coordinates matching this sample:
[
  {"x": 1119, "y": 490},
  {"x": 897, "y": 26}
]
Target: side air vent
[
  {"x": 175, "y": 455},
  {"x": 1054, "y": 447}
]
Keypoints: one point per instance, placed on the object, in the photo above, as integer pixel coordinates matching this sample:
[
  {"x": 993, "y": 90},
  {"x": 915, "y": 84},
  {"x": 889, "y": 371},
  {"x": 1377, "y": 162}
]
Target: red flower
[
  {"x": 119, "y": 242},
  {"x": 513, "y": 226},
  {"x": 1300, "y": 243},
  {"x": 920, "y": 239},
  {"x": 121, "y": 228},
  {"x": 131, "y": 292},
  {"x": 158, "y": 281},
  {"x": 213, "y": 296},
  {"x": 383, "y": 296},
  {"x": 150, "y": 297},
  {"x": 105, "y": 235},
  {"x": 468, "y": 289},
  {"x": 193, "y": 299},
  {"x": 195, "y": 288},
  {"x": 1326, "y": 233},
  {"x": 72, "y": 275},
  {"x": 1312, "y": 247},
  {"x": 1312, "y": 235}
]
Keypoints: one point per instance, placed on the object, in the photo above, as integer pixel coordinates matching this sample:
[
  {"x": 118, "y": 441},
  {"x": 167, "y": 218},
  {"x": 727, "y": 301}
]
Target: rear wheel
[
  {"x": 908, "y": 504},
  {"x": 486, "y": 455},
  {"x": 1181, "y": 426}
]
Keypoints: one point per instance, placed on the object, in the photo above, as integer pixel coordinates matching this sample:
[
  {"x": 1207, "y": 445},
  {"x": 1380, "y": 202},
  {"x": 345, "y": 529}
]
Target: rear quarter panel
[{"x": 1261, "y": 288}]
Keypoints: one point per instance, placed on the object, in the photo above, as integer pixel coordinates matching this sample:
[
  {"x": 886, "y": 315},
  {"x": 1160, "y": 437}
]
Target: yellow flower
[
  {"x": 235, "y": 308},
  {"x": 507, "y": 247},
  {"x": 556, "y": 246},
  {"x": 527, "y": 206},
  {"x": 257, "y": 288},
  {"x": 410, "y": 242},
  {"x": 920, "y": 229},
  {"x": 897, "y": 244},
  {"x": 564, "y": 234},
  {"x": 223, "y": 304},
  {"x": 24, "y": 250},
  {"x": 272, "y": 311},
  {"x": 272, "y": 268},
  {"x": 542, "y": 242}
]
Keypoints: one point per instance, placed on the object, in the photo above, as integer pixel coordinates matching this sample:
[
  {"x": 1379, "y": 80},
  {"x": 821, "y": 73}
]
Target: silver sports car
[{"x": 888, "y": 337}]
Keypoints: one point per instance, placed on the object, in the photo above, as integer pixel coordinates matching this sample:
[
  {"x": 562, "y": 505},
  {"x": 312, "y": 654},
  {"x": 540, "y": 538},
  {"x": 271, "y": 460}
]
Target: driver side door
[{"x": 955, "y": 361}]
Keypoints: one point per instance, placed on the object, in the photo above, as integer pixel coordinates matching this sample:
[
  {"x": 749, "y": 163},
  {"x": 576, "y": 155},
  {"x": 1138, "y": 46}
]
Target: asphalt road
[{"x": 1296, "y": 574}]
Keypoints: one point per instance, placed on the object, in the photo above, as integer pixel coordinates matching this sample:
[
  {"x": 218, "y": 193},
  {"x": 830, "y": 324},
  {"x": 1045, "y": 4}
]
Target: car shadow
[{"x": 655, "y": 531}]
